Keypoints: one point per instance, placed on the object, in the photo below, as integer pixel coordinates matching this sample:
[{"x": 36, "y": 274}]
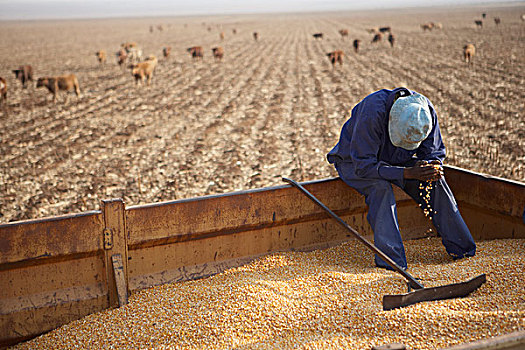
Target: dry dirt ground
[{"x": 271, "y": 108}]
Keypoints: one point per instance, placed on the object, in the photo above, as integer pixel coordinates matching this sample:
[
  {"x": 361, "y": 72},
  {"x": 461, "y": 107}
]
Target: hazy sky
[{"x": 44, "y": 9}]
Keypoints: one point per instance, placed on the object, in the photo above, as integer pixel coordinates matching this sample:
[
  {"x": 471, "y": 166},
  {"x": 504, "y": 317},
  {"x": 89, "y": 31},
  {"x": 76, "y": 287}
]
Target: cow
[
  {"x": 479, "y": 23},
  {"x": 497, "y": 20},
  {"x": 373, "y": 30},
  {"x": 55, "y": 84},
  {"x": 196, "y": 52},
  {"x": 343, "y": 32},
  {"x": 218, "y": 53},
  {"x": 469, "y": 51},
  {"x": 144, "y": 70},
  {"x": 391, "y": 39},
  {"x": 151, "y": 29},
  {"x": 427, "y": 26},
  {"x": 122, "y": 55},
  {"x": 255, "y": 36},
  {"x": 134, "y": 54},
  {"x": 160, "y": 28},
  {"x": 101, "y": 56},
  {"x": 356, "y": 45},
  {"x": 3, "y": 90},
  {"x": 437, "y": 25},
  {"x": 335, "y": 56},
  {"x": 377, "y": 38},
  {"x": 166, "y": 51},
  {"x": 318, "y": 35},
  {"x": 234, "y": 31},
  {"x": 523, "y": 17},
  {"x": 24, "y": 74},
  {"x": 384, "y": 29},
  {"x": 221, "y": 35},
  {"x": 483, "y": 15}
]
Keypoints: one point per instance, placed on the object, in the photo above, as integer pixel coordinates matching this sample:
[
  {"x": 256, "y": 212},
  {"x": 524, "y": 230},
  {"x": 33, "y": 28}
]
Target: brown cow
[
  {"x": 391, "y": 39},
  {"x": 427, "y": 26},
  {"x": 469, "y": 51},
  {"x": 221, "y": 35},
  {"x": 318, "y": 35},
  {"x": 343, "y": 32},
  {"x": 24, "y": 74},
  {"x": 255, "y": 36},
  {"x": 234, "y": 31},
  {"x": 3, "y": 90},
  {"x": 101, "y": 56},
  {"x": 166, "y": 51},
  {"x": 218, "y": 53},
  {"x": 335, "y": 56},
  {"x": 122, "y": 55},
  {"x": 497, "y": 20},
  {"x": 55, "y": 84},
  {"x": 144, "y": 69},
  {"x": 196, "y": 52},
  {"x": 356, "y": 45},
  {"x": 377, "y": 38}
]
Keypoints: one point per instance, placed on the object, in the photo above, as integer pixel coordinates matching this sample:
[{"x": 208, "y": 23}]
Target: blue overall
[{"x": 367, "y": 161}]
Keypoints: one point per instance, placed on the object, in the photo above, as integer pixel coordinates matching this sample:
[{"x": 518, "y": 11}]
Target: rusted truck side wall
[
  {"x": 51, "y": 272},
  {"x": 492, "y": 207},
  {"x": 184, "y": 240},
  {"x": 59, "y": 269}
]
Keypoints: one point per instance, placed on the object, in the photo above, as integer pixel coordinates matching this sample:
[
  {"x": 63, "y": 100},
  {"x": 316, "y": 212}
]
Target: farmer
[{"x": 393, "y": 137}]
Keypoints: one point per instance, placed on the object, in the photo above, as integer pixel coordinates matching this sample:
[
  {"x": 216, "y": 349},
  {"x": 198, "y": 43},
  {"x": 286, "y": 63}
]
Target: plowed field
[{"x": 271, "y": 108}]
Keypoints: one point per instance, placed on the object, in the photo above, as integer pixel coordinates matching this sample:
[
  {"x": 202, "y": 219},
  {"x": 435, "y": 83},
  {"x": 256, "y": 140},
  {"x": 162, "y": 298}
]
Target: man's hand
[{"x": 424, "y": 171}]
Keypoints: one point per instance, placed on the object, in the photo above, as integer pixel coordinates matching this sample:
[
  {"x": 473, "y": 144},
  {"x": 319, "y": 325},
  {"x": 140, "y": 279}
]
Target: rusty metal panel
[
  {"x": 205, "y": 234},
  {"x": 486, "y": 225},
  {"x": 28, "y": 323},
  {"x": 491, "y": 207},
  {"x": 239, "y": 211},
  {"x": 196, "y": 258},
  {"x": 39, "y": 278},
  {"x": 50, "y": 237},
  {"x": 165, "y": 263},
  {"x": 487, "y": 192},
  {"x": 38, "y": 297}
]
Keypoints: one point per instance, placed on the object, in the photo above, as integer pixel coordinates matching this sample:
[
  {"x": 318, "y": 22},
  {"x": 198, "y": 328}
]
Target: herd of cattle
[{"x": 142, "y": 70}]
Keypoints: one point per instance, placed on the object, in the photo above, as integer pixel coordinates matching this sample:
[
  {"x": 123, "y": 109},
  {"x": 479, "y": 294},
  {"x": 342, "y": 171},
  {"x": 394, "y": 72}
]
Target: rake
[{"x": 417, "y": 292}]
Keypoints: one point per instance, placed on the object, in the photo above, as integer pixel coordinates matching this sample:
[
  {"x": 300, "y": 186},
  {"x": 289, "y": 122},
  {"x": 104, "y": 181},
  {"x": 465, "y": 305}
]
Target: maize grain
[{"x": 325, "y": 299}]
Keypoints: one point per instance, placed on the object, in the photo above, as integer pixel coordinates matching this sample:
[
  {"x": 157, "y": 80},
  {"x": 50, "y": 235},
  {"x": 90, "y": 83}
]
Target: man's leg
[
  {"x": 445, "y": 215},
  {"x": 382, "y": 214}
]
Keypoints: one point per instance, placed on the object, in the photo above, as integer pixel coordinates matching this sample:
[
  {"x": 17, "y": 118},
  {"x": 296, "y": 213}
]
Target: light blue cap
[{"x": 410, "y": 121}]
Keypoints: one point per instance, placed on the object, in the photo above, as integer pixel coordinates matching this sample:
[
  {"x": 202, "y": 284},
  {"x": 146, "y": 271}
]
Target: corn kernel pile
[{"x": 325, "y": 299}]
